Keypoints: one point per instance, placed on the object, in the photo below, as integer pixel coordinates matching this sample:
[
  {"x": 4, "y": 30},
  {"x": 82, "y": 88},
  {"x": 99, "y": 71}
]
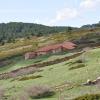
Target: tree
[{"x": 69, "y": 29}]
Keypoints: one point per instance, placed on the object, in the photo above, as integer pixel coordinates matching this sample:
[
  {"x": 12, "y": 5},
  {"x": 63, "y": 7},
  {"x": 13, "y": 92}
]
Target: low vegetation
[
  {"x": 29, "y": 77},
  {"x": 55, "y": 75},
  {"x": 76, "y": 67},
  {"x": 35, "y": 67},
  {"x": 49, "y": 77},
  {"x": 89, "y": 97},
  {"x": 37, "y": 92}
]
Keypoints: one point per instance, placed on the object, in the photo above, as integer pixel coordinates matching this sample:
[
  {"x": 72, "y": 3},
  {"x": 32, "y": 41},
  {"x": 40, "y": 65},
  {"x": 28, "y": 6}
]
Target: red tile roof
[
  {"x": 49, "y": 47},
  {"x": 66, "y": 45}
]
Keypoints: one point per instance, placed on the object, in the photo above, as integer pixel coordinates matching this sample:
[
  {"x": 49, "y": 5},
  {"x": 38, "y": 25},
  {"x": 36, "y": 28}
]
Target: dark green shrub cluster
[
  {"x": 89, "y": 97},
  {"x": 10, "y": 31},
  {"x": 75, "y": 62},
  {"x": 37, "y": 61},
  {"x": 29, "y": 77},
  {"x": 76, "y": 67},
  {"x": 36, "y": 92},
  {"x": 79, "y": 61}
]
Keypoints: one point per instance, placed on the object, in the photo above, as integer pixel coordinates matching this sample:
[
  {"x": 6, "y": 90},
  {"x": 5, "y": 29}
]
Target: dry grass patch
[
  {"x": 2, "y": 91},
  {"x": 20, "y": 96}
]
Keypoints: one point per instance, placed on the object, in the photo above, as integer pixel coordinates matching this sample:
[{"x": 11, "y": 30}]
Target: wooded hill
[
  {"x": 10, "y": 31},
  {"x": 91, "y": 25}
]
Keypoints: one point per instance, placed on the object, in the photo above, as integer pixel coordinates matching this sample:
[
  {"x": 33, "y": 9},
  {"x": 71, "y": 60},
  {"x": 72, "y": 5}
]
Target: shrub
[
  {"x": 37, "y": 61},
  {"x": 29, "y": 77},
  {"x": 76, "y": 67},
  {"x": 79, "y": 61},
  {"x": 75, "y": 62},
  {"x": 89, "y": 97},
  {"x": 37, "y": 92}
]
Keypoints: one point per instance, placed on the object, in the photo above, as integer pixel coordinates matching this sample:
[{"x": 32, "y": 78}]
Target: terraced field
[{"x": 66, "y": 78}]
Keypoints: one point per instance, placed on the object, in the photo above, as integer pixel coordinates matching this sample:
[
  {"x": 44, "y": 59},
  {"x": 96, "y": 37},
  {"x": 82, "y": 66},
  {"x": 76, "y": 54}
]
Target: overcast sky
[{"x": 50, "y": 12}]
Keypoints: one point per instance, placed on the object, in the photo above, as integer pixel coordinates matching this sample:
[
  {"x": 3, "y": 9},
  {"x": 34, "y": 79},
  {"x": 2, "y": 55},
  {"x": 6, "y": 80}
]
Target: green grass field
[
  {"x": 18, "y": 62},
  {"x": 57, "y": 74}
]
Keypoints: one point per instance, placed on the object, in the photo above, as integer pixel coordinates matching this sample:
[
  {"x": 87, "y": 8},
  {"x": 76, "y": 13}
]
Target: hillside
[
  {"x": 56, "y": 76},
  {"x": 91, "y": 25},
  {"x": 64, "y": 77},
  {"x": 10, "y": 31},
  {"x": 81, "y": 37}
]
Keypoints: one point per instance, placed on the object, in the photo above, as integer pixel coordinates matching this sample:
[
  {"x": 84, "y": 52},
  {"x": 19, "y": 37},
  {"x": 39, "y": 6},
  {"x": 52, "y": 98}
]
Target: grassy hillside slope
[
  {"x": 66, "y": 78},
  {"x": 23, "y": 45},
  {"x": 71, "y": 73}
]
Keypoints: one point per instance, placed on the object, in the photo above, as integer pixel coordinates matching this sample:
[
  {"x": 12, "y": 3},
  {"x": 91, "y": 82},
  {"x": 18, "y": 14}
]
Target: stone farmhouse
[{"x": 51, "y": 49}]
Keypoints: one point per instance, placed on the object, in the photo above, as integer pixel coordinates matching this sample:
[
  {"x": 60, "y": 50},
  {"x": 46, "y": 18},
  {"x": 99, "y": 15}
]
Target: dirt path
[{"x": 33, "y": 68}]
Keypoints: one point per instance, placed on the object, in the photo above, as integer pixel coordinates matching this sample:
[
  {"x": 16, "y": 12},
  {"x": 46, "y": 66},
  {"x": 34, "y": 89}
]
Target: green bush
[
  {"x": 89, "y": 97},
  {"x": 29, "y": 77},
  {"x": 76, "y": 67},
  {"x": 36, "y": 92},
  {"x": 75, "y": 62}
]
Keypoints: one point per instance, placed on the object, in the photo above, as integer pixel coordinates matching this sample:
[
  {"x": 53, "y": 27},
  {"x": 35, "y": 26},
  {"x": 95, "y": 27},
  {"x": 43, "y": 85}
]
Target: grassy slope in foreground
[
  {"x": 19, "y": 62},
  {"x": 60, "y": 73}
]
